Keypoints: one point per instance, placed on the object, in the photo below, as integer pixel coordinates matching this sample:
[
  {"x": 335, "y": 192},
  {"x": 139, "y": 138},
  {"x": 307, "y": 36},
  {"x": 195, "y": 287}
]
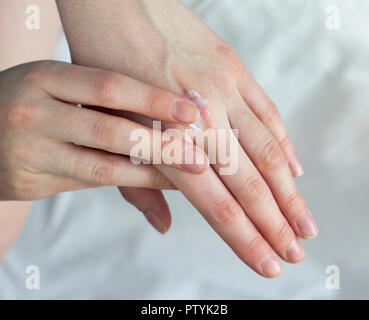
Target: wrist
[
  {"x": 120, "y": 32},
  {"x": 136, "y": 38}
]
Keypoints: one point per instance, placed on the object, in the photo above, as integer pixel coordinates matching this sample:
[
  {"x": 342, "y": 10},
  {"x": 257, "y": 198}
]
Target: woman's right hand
[{"x": 49, "y": 145}]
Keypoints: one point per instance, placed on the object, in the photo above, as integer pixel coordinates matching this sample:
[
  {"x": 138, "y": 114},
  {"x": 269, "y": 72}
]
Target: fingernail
[
  {"x": 295, "y": 252},
  {"x": 185, "y": 111},
  {"x": 156, "y": 222},
  {"x": 307, "y": 225},
  {"x": 193, "y": 160},
  {"x": 271, "y": 267},
  {"x": 296, "y": 167}
]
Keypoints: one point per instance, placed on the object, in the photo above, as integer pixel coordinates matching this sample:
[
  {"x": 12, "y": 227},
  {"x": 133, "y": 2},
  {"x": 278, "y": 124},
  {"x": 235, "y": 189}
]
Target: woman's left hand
[{"x": 258, "y": 210}]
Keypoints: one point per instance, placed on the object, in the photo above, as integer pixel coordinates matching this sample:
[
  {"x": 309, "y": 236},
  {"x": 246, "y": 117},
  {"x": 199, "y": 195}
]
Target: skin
[
  {"x": 39, "y": 119},
  {"x": 21, "y": 95},
  {"x": 222, "y": 210},
  {"x": 258, "y": 211},
  {"x": 18, "y": 41}
]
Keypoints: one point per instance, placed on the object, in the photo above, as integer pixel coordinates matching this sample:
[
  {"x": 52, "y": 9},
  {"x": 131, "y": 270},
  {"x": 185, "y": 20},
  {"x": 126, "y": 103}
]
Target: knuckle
[
  {"x": 225, "y": 212},
  {"x": 284, "y": 142},
  {"x": 101, "y": 173},
  {"x": 74, "y": 168},
  {"x": 223, "y": 83},
  {"x": 251, "y": 245},
  {"x": 155, "y": 179},
  {"x": 105, "y": 86},
  {"x": 292, "y": 198},
  {"x": 228, "y": 54},
  {"x": 104, "y": 133},
  {"x": 271, "y": 155},
  {"x": 152, "y": 101},
  {"x": 15, "y": 185},
  {"x": 253, "y": 188},
  {"x": 36, "y": 73},
  {"x": 283, "y": 232},
  {"x": 32, "y": 75},
  {"x": 271, "y": 114},
  {"x": 20, "y": 114}
]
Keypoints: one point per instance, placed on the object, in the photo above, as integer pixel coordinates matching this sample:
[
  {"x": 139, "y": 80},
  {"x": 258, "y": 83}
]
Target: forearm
[
  {"x": 20, "y": 44},
  {"x": 13, "y": 215}
]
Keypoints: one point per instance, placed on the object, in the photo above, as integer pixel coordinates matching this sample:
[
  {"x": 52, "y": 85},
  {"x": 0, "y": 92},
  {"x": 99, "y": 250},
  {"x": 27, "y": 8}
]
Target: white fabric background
[{"x": 92, "y": 244}]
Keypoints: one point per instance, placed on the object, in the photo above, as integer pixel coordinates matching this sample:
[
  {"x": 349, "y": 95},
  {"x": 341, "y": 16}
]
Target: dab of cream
[{"x": 203, "y": 106}]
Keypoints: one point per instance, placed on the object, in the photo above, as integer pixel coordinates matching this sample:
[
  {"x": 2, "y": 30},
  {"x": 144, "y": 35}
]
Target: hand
[
  {"x": 258, "y": 211},
  {"x": 49, "y": 145}
]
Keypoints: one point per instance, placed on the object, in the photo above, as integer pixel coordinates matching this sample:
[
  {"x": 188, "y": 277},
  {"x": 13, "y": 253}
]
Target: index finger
[{"x": 91, "y": 86}]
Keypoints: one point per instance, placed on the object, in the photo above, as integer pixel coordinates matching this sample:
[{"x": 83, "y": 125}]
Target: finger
[
  {"x": 250, "y": 189},
  {"x": 268, "y": 157},
  {"x": 99, "y": 168},
  {"x": 121, "y": 136},
  {"x": 268, "y": 114},
  {"x": 90, "y": 86},
  {"x": 254, "y": 196},
  {"x": 209, "y": 195},
  {"x": 152, "y": 204}
]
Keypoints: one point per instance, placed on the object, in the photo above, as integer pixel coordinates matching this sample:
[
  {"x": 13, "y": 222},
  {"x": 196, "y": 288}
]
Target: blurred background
[{"x": 92, "y": 244}]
